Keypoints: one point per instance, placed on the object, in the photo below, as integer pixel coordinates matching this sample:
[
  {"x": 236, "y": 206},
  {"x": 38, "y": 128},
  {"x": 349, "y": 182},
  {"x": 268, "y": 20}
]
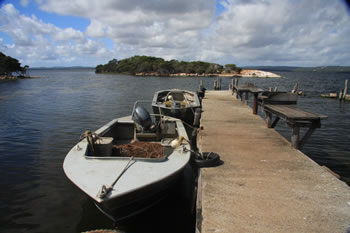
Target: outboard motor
[{"x": 142, "y": 117}]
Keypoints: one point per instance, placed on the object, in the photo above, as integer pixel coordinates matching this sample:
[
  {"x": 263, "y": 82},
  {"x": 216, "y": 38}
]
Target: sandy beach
[{"x": 242, "y": 74}]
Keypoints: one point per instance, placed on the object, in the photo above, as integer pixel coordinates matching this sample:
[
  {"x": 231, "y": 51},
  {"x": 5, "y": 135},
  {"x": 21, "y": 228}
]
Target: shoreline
[
  {"x": 242, "y": 74},
  {"x": 5, "y": 77}
]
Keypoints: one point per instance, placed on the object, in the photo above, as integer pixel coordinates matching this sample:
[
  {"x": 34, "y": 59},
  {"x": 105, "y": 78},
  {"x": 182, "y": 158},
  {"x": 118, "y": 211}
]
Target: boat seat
[{"x": 147, "y": 136}]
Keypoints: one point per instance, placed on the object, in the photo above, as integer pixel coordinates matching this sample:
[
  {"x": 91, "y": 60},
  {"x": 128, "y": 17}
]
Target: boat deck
[{"x": 264, "y": 185}]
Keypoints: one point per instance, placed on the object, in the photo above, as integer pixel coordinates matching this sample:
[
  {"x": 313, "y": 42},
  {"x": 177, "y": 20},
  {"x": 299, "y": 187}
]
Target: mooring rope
[
  {"x": 105, "y": 189},
  {"x": 194, "y": 128},
  {"x": 189, "y": 104}
]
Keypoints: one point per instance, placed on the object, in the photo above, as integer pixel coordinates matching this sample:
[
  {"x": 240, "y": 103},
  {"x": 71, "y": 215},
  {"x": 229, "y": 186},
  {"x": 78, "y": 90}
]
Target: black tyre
[{"x": 207, "y": 159}]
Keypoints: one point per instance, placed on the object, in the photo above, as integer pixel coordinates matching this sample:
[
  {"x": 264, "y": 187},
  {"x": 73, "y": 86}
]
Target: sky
[{"x": 51, "y": 33}]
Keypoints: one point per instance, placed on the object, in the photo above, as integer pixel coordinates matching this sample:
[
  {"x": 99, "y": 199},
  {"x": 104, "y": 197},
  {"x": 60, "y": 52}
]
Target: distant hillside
[
  {"x": 325, "y": 69},
  {"x": 302, "y": 69},
  {"x": 62, "y": 68},
  {"x": 147, "y": 65}
]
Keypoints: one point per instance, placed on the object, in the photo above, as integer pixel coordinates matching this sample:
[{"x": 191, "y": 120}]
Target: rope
[
  {"x": 91, "y": 138},
  {"x": 189, "y": 104},
  {"x": 194, "y": 128},
  {"x": 139, "y": 149},
  {"x": 105, "y": 189}
]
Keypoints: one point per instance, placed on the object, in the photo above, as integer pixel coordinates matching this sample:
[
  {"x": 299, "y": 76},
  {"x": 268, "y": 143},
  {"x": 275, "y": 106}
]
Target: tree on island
[
  {"x": 158, "y": 66},
  {"x": 9, "y": 66},
  {"x": 232, "y": 68}
]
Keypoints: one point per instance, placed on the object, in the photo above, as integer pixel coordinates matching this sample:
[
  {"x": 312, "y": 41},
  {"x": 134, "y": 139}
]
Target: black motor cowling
[{"x": 142, "y": 117}]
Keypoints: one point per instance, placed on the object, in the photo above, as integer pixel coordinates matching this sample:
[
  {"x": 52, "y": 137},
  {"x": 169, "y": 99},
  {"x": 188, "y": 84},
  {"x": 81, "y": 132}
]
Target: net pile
[{"x": 141, "y": 150}]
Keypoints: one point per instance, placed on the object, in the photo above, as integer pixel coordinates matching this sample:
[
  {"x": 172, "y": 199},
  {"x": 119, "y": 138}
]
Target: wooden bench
[
  {"x": 244, "y": 90},
  {"x": 283, "y": 106}
]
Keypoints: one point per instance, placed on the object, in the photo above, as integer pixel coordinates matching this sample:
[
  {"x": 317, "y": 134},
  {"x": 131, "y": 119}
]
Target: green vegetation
[
  {"x": 158, "y": 66},
  {"x": 9, "y": 66}
]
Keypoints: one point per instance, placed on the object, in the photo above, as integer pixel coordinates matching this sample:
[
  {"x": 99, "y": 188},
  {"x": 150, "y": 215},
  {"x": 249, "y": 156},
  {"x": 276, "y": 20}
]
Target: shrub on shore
[
  {"x": 10, "y": 67},
  {"x": 148, "y": 64}
]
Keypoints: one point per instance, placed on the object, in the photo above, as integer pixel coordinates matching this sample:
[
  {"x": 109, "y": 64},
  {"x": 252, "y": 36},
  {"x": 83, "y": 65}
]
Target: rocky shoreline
[
  {"x": 242, "y": 74},
  {"x": 10, "y": 77}
]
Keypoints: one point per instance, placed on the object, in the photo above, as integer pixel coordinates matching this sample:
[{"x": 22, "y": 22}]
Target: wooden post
[
  {"x": 341, "y": 94},
  {"x": 275, "y": 89},
  {"x": 270, "y": 89},
  {"x": 215, "y": 84},
  {"x": 200, "y": 85},
  {"x": 295, "y": 89},
  {"x": 255, "y": 103},
  {"x": 236, "y": 82},
  {"x": 345, "y": 89},
  {"x": 268, "y": 119}
]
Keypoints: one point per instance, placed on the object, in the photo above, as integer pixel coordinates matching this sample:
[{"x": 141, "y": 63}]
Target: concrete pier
[{"x": 264, "y": 185}]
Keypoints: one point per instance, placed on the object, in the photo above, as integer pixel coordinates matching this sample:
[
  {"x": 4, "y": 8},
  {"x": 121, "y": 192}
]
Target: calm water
[{"x": 41, "y": 119}]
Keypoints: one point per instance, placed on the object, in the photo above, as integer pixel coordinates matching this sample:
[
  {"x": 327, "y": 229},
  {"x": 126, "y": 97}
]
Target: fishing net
[{"x": 141, "y": 150}]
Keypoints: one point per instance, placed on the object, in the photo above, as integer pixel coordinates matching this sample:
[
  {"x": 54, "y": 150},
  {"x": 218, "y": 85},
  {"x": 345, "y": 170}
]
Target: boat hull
[
  {"x": 138, "y": 201},
  {"x": 185, "y": 113},
  {"x": 141, "y": 182}
]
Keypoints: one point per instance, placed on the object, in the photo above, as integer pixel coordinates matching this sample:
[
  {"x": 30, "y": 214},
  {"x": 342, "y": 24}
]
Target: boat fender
[
  {"x": 207, "y": 159},
  {"x": 176, "y": 142},
  {"x": 142, "y": 117}
]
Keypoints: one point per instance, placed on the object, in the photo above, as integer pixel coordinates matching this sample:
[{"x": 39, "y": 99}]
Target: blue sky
[{"x": 44, "y": 33}]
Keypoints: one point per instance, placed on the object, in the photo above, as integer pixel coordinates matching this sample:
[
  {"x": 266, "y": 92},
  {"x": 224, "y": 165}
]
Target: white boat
[
  {"x": 177, "y": 103},
  {"x": 122, "y": 186}
]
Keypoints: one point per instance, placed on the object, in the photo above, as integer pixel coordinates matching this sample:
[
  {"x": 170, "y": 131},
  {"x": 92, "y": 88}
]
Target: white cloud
[
  {"x": 96, "y": 29},
  {"x": 67, "y": 34},
  {"x": 38, "y": 43},
  {"x": 283, "y": 32},
  {"x": 254, "y": 32},
  {"x": 24, "y": 3},
  {"x": 162, "y": 28}
]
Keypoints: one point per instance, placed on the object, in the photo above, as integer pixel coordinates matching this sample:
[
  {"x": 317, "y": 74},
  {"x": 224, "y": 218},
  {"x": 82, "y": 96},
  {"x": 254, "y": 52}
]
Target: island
[
  {"x": 10, "y": 68},
  {"x": 155, "y": 66}
]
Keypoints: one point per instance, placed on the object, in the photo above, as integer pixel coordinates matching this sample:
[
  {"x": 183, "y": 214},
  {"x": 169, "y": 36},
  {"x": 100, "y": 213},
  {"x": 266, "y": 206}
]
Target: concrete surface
[{"x": 264, "y": 184}]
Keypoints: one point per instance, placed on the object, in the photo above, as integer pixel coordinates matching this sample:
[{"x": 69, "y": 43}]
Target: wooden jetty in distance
[
  {"x": 343, "y": 93},
  {"x": 264, "y": 184},
  {"x": 281, "y": 105}
]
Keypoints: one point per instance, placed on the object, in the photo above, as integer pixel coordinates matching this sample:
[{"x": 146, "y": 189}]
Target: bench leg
[
  {"x": 311, "y": 126},
  {"x": 306, "y": 136},
  {"x": 295, "y": 137},
  {"x": 274, "y": 123},
  {"x": 270, "y": 122},
  {"x": 238, "y": 95},
  {"x": 268, "y": 116}
]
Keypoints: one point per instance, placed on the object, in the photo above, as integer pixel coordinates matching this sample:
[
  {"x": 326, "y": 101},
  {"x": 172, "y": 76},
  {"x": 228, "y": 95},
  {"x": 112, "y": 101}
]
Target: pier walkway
[{"x": 263, "y": 185}]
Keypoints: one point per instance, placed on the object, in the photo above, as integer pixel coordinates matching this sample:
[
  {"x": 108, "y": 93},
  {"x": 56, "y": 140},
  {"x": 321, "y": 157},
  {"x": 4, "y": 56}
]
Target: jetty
[{"x": 264, "y": 184}]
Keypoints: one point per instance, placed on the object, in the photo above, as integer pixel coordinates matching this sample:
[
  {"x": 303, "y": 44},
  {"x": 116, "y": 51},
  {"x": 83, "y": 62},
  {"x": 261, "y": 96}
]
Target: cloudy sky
[{"x": 45, "y": 33}]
